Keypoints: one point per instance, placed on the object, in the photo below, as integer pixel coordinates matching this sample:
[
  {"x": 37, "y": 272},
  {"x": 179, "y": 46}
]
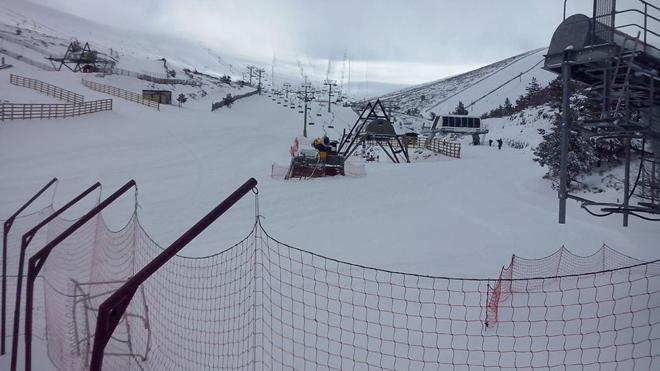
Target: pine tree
[
  {"x": 508, "y": 107},
  {"x": 228, "y": 100},
  {"x": 534, "y": 93},
  {"x": 533, "y": 87},
  {"x": 581, "y": 154},
  {"x": 460, "y": 109},
  {"x": 181, "y": 99}
]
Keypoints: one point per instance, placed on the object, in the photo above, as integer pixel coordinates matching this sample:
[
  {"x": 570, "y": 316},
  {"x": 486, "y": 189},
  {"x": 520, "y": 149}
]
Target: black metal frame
[
  {"x": 25, "y": 242},
  {"x": 87, "y": 57},
  {"x": 5, "y": 233},
  {"x": 36, "y": 262},
  {"x": 357, "y": 135}
]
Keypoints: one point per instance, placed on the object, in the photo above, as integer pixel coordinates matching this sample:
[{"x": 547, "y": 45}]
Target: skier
[
  {"x": 490, "y": 142},
  {"x": 499, "y": 143}
]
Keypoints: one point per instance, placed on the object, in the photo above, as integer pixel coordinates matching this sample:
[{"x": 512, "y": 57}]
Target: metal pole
[
  {"x": 114, "y": 307},
  {"x": 5, "y": 235},
  {"x": 563, "y": 159},
  {"x": 305, "y": 116},
  {"x": 36, "y": 262},
  {"x": 646, "y": 9},
  {"x": 626, "y": 182},
  {"x": 565, "y": 9},
  {"x": 25, "y": 242}
]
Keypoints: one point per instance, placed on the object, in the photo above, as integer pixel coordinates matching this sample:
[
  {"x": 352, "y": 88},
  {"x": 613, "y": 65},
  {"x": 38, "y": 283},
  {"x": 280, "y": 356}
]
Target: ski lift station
[{"x": 458, "y": 124}]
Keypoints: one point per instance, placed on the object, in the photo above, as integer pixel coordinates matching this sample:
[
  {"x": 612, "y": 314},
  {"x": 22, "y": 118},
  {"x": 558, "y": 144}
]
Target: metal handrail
[{"x": 645, "y": 29}]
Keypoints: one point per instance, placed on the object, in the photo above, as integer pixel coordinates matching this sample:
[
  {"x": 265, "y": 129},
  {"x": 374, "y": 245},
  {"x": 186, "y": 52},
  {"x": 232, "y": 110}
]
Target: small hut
[{"x": 160, "y": 96}]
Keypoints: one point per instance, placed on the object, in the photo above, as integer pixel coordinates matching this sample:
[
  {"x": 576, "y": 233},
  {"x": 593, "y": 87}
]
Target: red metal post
[{"x": 113, "y": 308}]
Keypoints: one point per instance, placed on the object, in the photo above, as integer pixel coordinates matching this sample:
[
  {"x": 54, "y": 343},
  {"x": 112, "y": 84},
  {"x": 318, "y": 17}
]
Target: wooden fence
[
  {"x": 159, "y": 80},
  {"x": 19, "y": 111},
  {"x": 121, "y": 93},
  {"x": 443, "y": 147},
  {"x": 46, "y": 88},
  {"x": 217, "y": 105}
]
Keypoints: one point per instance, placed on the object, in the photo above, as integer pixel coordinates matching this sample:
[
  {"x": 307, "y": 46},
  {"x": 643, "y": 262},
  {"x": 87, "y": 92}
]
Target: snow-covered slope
[
  {"x": 454, "y": 217},
  {"x": 482, "y": 89},
  {"x": 47, "y": 32}
]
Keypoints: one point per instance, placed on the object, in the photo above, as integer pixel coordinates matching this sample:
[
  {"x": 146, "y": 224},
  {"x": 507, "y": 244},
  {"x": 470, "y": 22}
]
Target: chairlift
[
  {"x": 300, "y": 111},
  {"x": 310, "y": 123}
]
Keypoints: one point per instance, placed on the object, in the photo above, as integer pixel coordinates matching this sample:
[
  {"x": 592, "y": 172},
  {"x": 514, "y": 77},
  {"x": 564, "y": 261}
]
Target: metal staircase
[{"x": 622, "y": 73}]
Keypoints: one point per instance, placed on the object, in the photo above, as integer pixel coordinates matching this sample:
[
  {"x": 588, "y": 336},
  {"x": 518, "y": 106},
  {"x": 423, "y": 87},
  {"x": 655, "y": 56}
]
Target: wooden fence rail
[
  {"x": 216, "y": 105},
  {"x": 443, "y": 147},
  {"x": 46, "y": 88},
  {"x": 121, "y": 93},
  {"x": 159, "y": 80},
  {"x": 20, "y": 111}
]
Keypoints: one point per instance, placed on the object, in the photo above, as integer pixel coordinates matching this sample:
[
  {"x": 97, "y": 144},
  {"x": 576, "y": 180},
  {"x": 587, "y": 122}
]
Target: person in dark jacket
[{"x": 499, "y": 143}]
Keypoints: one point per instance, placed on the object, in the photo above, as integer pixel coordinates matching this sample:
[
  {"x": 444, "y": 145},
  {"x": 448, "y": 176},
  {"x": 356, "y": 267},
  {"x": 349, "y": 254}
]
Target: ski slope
[
  {"x": 453, "y": 217},
  {"x": 480, "y": 90}
]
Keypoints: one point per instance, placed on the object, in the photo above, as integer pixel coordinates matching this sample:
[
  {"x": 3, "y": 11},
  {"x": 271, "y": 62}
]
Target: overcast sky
[{"x": 398, "y": 42}]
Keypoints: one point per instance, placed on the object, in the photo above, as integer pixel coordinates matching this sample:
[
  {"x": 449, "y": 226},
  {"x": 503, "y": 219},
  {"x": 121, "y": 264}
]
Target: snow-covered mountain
[
  {"x": 480, "y": 90},
  {"x": 47, "y": 32}
]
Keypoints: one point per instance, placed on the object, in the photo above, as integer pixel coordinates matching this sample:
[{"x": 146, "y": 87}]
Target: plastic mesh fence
[
  {"x": 513, "y": 278},
  {"x": 262, "y": 304}
]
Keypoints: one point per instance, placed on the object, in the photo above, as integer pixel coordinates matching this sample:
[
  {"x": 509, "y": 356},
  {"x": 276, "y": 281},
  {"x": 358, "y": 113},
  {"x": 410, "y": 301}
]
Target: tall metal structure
[
  {"x": 330, "y": 84},
  {"x": 623, "y": 70},
  {"x": 306, "y": 95},
  {"x": 374, "y": 125},
  {"x": 259, "y": 72},
  {"x": 81, "y": 59}
]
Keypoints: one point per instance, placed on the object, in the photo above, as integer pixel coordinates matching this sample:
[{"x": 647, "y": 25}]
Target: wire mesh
[{"x": 263, "y": 304}]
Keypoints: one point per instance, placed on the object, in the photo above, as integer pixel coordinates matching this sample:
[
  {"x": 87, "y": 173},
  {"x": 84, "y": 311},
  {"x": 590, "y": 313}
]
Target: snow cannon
[{"x": 315, "y": 159}]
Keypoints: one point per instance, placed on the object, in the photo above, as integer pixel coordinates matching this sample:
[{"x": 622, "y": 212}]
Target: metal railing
[
  {"x": 121, "y": 93},
  {"x": 46, "y": 88},
  {"x": 21, "y": 111},
  {"x": 605, "y": 24}
]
